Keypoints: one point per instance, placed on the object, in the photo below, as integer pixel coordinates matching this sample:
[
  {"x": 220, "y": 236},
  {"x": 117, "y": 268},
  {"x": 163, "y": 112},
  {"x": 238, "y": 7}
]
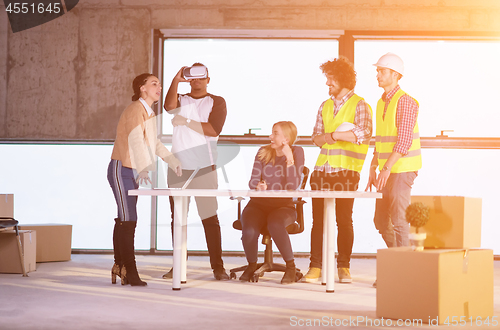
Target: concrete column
[{"x": 4, "y": 32}]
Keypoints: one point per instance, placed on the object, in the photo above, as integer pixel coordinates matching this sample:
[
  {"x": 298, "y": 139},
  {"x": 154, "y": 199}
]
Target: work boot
[
  {"x": 313, "y": 275},
  {"x": 344, "y": 275}
]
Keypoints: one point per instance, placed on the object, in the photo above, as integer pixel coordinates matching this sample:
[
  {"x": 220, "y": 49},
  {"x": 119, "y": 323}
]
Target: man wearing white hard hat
[
  {"x": 397, "y": 152},
  {"x": 343, "y": 130}
]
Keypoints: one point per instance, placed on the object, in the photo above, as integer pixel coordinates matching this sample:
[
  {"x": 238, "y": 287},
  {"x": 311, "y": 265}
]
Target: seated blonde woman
[{"x": 277, "y": 166}]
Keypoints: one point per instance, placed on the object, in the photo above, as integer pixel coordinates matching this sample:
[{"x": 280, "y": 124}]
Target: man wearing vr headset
[{"x": 198, "y": 120}]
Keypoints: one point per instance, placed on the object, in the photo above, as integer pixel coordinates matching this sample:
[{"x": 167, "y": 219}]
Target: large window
[
  {"x": 262, "y": 80},
  {"x": 454, "y": 81}
]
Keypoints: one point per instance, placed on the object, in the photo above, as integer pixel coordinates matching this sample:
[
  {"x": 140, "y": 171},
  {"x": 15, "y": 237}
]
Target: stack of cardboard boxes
[
  {"x": 53, "y": 241},
  {"x": 10, "y": 260},
  {"x": 451, "y": 281},
  {"x": 40, "y": 242}
]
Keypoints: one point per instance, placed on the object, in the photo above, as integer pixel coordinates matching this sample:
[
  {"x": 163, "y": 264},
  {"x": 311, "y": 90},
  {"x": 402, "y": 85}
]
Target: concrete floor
[{"x": 78, "y": 294}]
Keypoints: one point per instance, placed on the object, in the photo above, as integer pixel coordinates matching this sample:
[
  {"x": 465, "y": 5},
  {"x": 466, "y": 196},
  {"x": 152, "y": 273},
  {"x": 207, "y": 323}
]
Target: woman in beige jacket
[{"x": 134, "y": 151}]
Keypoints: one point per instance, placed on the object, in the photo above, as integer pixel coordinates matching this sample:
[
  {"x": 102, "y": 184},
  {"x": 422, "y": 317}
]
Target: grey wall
[{"x": 69, "y": 79}]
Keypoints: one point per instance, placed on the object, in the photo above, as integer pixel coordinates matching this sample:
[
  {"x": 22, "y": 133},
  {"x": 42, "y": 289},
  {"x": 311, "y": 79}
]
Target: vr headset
[{"x": 195, "y": 72}]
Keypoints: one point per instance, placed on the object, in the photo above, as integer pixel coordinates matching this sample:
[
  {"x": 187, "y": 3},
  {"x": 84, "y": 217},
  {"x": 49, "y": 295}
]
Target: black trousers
[{"x": 339, "y": 181}]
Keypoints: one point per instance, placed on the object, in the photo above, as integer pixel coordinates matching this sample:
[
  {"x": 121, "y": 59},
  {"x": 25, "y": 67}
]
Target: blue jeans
[
  {"x": 121, "y": 179},
  {"x": 390, "y": 211}
]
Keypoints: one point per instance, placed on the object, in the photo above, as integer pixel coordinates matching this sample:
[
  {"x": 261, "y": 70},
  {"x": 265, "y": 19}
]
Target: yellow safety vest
[
  {"x": 343, "y": 154},
  {"x": 387, "y": 136}
]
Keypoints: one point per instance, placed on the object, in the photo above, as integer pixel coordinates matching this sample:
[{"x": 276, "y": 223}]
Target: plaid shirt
[
  {"x": 362, "y": 121},
  {"x": 406, "y": 118}
]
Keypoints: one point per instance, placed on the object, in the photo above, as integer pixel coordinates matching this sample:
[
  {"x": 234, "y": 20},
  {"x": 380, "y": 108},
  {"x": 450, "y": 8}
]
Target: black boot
[
  {"x": 249, "y": 271},
  {"x": 290, "y": 273},
  {"x": 116, "y": 269},
  {"x": 129, "y": 269},
  {"x": 214, "y": 245}
]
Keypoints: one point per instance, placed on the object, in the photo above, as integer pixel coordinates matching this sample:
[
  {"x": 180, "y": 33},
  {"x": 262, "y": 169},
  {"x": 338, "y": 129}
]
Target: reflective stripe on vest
[
  {"x": 343, "y": 154},
  {"x": 387, "y": 136}
]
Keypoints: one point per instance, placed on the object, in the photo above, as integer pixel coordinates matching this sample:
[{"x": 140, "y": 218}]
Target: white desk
[{"x": 180, "y": 221}]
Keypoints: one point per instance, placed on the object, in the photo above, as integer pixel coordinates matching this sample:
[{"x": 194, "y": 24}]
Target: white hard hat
[
  {"x": 391, "y": 61},
  {"x": 345, "y": 127}
]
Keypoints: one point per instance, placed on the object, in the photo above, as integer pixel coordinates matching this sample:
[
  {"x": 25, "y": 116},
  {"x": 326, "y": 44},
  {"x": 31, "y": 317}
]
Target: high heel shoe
[
  {"x": 123, "y": 277},
  {"x": 115, "y": 271},
  {"x": 134, "y": 279}
]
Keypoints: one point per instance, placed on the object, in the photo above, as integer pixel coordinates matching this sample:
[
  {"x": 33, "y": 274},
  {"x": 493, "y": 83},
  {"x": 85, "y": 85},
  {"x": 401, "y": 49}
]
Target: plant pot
[{"x": 417, "y": 241}]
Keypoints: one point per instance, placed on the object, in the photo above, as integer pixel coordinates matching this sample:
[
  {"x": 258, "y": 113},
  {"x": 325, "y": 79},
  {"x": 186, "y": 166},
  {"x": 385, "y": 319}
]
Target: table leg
[
  {"x": 324, "y": 261},
  {"x": 179, "y": 215},
  {"x": 184, "y": 242},
  {"x": 331, "y": 243}
]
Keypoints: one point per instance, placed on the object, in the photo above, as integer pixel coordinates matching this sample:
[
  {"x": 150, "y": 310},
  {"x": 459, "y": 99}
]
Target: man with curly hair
[{"x": 343, "y": 130}]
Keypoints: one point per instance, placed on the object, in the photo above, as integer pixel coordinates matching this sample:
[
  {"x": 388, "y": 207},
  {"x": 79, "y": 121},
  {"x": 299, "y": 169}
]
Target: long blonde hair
[{"x": 267, "y": 153}]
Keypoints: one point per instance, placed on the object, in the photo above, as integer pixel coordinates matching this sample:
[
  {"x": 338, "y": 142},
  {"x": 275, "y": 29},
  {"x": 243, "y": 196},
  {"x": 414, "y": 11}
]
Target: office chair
[
  {"x": 9, "y": 222},
  {"x": 296, "y": 228}
]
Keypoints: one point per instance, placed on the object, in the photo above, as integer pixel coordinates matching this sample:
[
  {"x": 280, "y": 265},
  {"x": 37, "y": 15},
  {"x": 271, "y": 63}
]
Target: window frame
[
  {"x": 346, "y": 39},
  {"x": 442, "y": 141},
  {"x": 247, "y": 138}
]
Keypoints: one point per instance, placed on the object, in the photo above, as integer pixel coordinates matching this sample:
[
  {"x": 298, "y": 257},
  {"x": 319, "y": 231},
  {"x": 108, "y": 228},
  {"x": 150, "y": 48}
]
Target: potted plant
[{"x": 417, "y": 215}]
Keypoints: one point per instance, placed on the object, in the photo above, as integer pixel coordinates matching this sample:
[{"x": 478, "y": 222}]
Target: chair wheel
[
  {"x": 255, "y": 278},
  {"x": 232, "y": 275}
]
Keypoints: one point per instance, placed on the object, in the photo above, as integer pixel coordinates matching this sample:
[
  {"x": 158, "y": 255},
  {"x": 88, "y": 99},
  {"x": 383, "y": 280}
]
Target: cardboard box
[
  {"x": 6, "y": 205},
  {"x": 10, "y": 261},
  {"x": 435, "y": 286},
  {"x": 53, "y": 241},
  {"x": 455, "y": 222}
]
